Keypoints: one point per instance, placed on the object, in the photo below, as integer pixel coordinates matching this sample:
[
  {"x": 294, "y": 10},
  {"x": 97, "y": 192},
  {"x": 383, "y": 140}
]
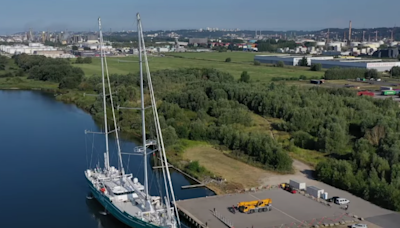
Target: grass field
[
  {"x": 24, "y": 83},
  {"x": 241, "y": 61},
  {"x": 218, "y": 163},
  {"x": 239, "y": 174}
]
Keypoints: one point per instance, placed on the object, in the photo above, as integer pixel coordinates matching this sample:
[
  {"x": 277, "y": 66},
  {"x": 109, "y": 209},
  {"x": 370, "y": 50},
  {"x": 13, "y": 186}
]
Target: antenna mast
[{"x": 106, "y": 154}]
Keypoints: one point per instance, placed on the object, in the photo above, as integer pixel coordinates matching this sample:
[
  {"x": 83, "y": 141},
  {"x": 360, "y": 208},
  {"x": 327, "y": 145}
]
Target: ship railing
[{"x": 115, "y": 177}]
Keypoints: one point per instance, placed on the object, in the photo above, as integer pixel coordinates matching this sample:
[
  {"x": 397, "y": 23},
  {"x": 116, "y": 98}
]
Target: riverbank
[
  {"x": 214, "y": 166},
  {"x": 84, "y": 102}
]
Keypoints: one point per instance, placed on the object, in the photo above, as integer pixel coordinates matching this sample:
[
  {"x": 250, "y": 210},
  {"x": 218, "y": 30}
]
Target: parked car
[
  {"x": 359, "y": 226},
  {"x": 342, "y": 201},
  {"x": 333, "y": 199}
]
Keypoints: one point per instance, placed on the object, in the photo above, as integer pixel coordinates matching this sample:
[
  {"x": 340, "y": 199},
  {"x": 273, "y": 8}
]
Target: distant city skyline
[{"x": 74, "y": 15}]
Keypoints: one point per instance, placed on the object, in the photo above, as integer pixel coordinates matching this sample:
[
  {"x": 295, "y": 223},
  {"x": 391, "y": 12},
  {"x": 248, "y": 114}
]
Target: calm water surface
[{"x": 43, "y": 153}]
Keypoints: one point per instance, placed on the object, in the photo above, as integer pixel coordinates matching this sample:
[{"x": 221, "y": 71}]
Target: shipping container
[
  {"x": 388, "y": 92},
  {"x": 314, "y": 191},
  {"x": 297, "y": 184},
  {"x": 386, "y": 88},
  {"x": 365, "y": 93}
]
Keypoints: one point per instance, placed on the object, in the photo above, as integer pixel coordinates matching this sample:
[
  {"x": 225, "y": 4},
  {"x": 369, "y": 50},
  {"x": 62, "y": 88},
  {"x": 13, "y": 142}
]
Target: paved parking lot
[{"x": 287, "y": 209}]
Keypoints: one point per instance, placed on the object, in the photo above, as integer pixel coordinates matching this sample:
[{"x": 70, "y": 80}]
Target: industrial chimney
[{"x": 349, "y": 31}]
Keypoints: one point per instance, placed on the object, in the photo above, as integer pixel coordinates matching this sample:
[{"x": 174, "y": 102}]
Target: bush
[
  {"x": 371, "y": 73},
  {"x": 20, "y": 72},
  {"x": 7, "y": 75},
  {"x": 316, "y": 67},
  {"x": 395, "y": 71},
  {"x": 244, "y": 77},
  {"x": 280, "y": 64},
  {"x": 228, "y": 60},
  {"x": 344, "y": 73},
  {"x": 87, "y": 60},
  {"x": 256, "y": 63},
  {"x": 79, "y": 60}
]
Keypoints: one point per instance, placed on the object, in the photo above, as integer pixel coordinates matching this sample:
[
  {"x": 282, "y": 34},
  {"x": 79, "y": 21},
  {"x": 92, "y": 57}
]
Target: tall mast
[
  {"x": 146, "y": 184},
  {"x": 160, "y": 142},
  {"x": 120, "y": 164},
  {"x": 106, "y": 154}
]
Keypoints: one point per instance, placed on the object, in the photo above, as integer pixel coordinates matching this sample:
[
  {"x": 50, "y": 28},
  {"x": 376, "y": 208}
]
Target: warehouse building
[
  {"x": 376, "y": 64},
  {"x": 288, "y": 60},
  {"x": 329, "y": 62},
  {"x": 198, "y": 40}
]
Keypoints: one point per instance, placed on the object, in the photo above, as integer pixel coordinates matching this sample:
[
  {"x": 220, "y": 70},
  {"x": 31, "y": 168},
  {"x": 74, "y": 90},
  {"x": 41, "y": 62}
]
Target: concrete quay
[{"x": 288, "y": 210}]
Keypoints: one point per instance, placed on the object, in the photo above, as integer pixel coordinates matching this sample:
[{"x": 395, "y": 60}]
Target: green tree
[
  {"x": 79, "y": 60},
  {"x": 395, "y": 71},
  {"x": 303, "y": 62},
  {"x": 87, "y": 60},
  {"x": 371, "y": 73},
  {"x": 228, "y": 60},
  {"x": 280, "y": 64},
  {"x": 244, "y": 77},
  {"x": 3, "y": 62},
  {"x": 256, "y": 63},
  {"x": 316, "y": 67}
]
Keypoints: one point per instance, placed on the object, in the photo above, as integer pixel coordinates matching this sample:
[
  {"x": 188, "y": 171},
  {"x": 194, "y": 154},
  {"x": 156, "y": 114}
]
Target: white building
[
  {"x": 329, "y": 62},
  {"x": 23, "y": 49},
  {"x": 54, "y": 54},
  {"x": 358, "y": 63},
  {"x": 162, "y": 49},
  {"x": 287, "y": 59}
]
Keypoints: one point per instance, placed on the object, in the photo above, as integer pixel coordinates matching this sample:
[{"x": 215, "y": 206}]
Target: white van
[{"x": 342, "y": 201}]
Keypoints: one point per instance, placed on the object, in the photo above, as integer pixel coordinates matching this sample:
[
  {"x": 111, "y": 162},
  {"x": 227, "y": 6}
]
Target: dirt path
[{"x": 302, "y": 173}]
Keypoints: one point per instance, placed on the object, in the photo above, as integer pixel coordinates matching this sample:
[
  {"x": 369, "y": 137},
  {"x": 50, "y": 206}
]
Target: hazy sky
[{"x": 19, "y": 15}]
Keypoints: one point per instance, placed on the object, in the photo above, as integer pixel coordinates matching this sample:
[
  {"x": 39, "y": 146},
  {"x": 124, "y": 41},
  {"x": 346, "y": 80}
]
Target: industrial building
[
  {"x": 288, "y": 60},
  {"x": 329, "y": 62},
  {"x": 198, "y": 40},
  {"x": 376, "y": 64},
  {"x": 23, "y": 49},
  {"x": 54, "y": 54}
]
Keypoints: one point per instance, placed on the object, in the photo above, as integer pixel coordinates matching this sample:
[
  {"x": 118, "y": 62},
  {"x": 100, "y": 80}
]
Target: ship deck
[{"x": 128, "y": 207}]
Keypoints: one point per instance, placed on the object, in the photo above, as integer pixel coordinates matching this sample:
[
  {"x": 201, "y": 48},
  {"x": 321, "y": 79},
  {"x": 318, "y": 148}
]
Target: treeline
[
  {"x": 191, "y": 111},
  {"x": 49, "y": 69},
  {"x": 350, "y": 73},
  {"x": 360, "y": 134},
  {"x": 271, "y": 45}
]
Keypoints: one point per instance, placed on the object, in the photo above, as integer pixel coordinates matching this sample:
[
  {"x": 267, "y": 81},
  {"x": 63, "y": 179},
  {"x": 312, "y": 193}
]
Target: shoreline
[{"x": 56, "y": 93}]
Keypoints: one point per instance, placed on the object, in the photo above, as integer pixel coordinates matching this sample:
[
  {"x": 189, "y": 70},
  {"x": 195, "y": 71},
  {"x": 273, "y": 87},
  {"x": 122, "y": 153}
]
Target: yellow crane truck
[{"x": 255, "y": 206}]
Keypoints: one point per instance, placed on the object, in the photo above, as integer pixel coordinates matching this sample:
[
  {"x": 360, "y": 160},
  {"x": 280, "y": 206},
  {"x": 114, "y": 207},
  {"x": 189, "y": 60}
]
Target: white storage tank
[
  {"x": 314, "y": 191},
  {"x": 297, "y": 184}
]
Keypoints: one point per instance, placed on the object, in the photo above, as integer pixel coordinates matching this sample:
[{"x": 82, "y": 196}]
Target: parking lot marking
[{"x": 278, "y": 209}]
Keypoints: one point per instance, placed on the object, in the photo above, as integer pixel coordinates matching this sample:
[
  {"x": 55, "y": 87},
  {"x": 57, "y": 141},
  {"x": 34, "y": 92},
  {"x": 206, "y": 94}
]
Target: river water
[{"x": 43, "y": 154}]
